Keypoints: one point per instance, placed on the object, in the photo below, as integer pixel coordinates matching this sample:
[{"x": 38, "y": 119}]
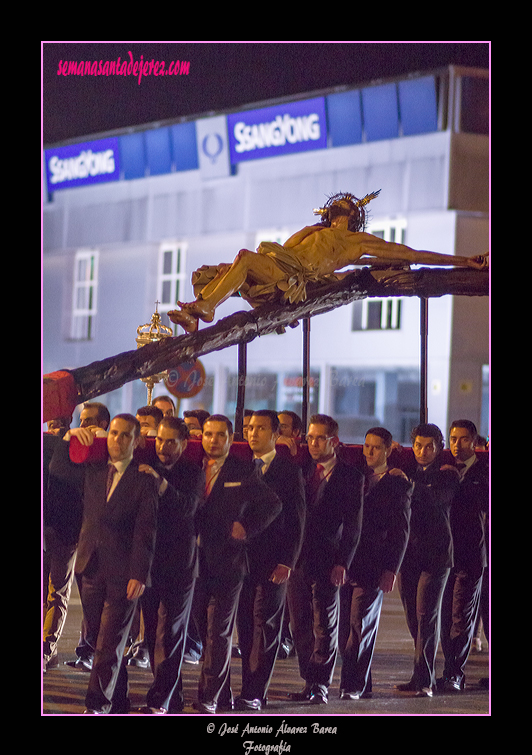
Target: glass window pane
[
  {"x": 344, "y": 118},
  {"x": 356, "y": 321},
  {"x": 82, "y": 298},
  {"x": 374, "y": 315},
  {"x": 389, "y": 311},
  {"x": 381, "y": 116},
  {"x": 82, "y": 270},
  {"x": 475, "y": 106},
  {"x": 166, "y": 295},
  {"x": 418, "y": 103},
  {"x": 167, "y": 263},
  {"x": 398, "y": 315}
]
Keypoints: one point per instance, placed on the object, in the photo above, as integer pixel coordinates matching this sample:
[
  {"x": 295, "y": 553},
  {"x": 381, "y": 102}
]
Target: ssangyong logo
[
  {"x": 278, "y": 130},
  {"x": 80, "y": 164}
]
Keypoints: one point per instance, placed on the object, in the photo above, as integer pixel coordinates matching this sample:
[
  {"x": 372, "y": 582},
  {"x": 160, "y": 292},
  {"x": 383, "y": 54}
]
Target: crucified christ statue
[{"x": 312, "y": 255}]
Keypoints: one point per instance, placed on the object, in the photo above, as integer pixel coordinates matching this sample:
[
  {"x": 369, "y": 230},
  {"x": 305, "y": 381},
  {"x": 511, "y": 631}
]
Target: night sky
[{"x": 221, "y": 76}]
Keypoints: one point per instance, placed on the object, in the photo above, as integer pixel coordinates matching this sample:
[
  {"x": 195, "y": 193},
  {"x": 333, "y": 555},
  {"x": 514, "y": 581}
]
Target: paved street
[{"x": 64, "y": 690}]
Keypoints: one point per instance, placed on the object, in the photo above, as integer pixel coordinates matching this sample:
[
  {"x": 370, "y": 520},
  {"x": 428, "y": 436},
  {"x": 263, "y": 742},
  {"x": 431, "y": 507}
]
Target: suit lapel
[
  {"x": 272, "y": 469},
  {"x": 100, "y": 483},
  {"x": 123, "y": 481},
  {"x": 218, "y": 486}
]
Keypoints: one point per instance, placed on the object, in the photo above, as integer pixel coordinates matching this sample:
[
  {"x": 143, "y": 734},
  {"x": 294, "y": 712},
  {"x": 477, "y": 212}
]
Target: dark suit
[
  {"x": 262, "y": 603},
  {"x": 237, "y": 496},
  {"x": 62, "y": 509},
  {"x": 426, "y": 565},
  {"x": 332, "y": 531},
  {"x": 167, "y": 604},
  {"x": 116, "y": 544},
  {"x": 385, "y": 528},
  {"x": 461, "y": 598}
]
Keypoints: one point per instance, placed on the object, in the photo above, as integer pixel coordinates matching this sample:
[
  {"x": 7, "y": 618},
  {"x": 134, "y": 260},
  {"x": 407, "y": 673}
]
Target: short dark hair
[
  {"x": 382, "y": 433},
  {"x": 164, "y": 398},
  {"x": 297, "y": 424},
  {"x": 428, "y": 430},
  {"x": 274, "y": 419},
  {"x": 175, "y": 423},
  {"x": 466, "y": 424},
  {"x": 132, "y": 421},
  {"x": 324, "y": 419},
  {"x": 103, "y": 412},
  {"x": 150, "y": 411},
  {"x": 221, "y": 418},
  {"x": 200, "y": 414}
]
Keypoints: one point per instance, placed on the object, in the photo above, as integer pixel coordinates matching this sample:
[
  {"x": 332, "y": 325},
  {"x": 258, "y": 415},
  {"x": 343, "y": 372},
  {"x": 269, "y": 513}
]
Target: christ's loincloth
[{"x": 292, "y": 287}]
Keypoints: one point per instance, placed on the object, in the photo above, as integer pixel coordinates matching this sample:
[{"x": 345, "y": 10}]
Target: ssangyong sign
[
  {"x": 277, "y": 130},
  {"x": 81, "y": 164}
]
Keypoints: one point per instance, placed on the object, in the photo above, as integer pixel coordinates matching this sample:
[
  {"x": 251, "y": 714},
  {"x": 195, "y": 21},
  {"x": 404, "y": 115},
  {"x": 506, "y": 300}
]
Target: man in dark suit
[
  {"x": 429, "y": 553},
  {"x": 62, "y": 522},
  {"x": 461, "y": 598},
  {"x": 373, "y": 571},
  {"x": 335, "y": 494},
  {"x": 166, "y": 605},
  {"x": 272, "y": 556},
  {"x": 238, "y": 507},
  {"x": 62, "y": 519},
  {"x": 115, "y": 552}
]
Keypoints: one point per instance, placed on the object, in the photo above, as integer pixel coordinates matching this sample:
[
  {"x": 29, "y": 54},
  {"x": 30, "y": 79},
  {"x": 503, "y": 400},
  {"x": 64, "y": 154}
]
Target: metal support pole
[
  {"x": 424, "y": 332},
  {"x": 306, "y": 373},
  {"x": 241, "y": 390}
]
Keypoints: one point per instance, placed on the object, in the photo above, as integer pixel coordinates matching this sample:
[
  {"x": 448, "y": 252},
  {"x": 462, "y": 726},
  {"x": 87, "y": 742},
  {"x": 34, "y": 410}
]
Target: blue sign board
[
  {"x": 277, "y": 130},
  {"x": 82, "y": 164}
]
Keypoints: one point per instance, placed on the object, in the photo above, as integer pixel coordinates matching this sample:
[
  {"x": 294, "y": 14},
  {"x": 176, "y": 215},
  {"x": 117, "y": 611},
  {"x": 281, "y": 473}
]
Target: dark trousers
[
  {"x": 360, "y": 610},
  {"x": 166, "y": 615},
  {"x": 314, "y": 609},
  {"x": 58, "y": 574},
  {"x": 259, "y": 624},
  {"x": 484, "y": 609},
  {"x": 460, "y": 605},
  {"x": 421, "y": 594},
  {"x": 214, "y": 608},
  {"x": 108, "y": 615}
]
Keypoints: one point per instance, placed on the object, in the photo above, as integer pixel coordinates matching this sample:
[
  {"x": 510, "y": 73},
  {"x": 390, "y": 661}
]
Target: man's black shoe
[
  {"x": 242, "y": 704},
  {"x": 319, "y": 695}
]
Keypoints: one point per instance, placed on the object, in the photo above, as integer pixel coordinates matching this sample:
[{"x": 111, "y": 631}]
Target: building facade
[{"x": 128, "y": 217}]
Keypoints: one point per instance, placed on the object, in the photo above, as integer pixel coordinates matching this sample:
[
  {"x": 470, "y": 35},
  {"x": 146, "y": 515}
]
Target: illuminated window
[
  {"x": 171, "y": 276},
  {"x": 376, "y": 314},
  {"x": 84, "y": 295},
  {"x": 380, "y": 314},
  {"x": 393, "y": 229}
]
